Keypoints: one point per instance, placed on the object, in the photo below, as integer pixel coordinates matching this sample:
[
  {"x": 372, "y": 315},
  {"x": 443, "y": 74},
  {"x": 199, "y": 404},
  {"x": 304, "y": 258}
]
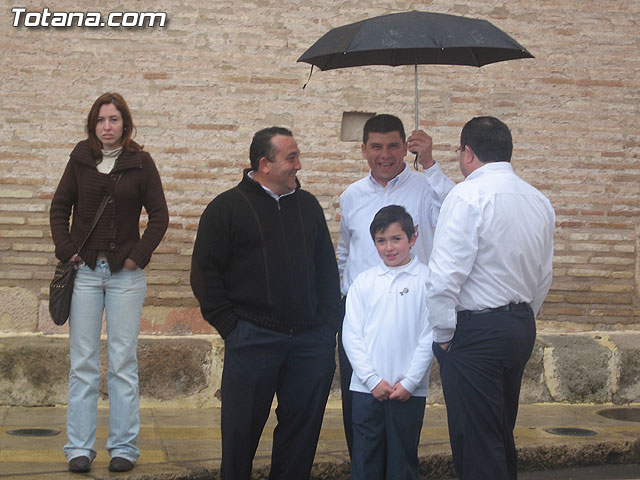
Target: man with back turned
[{"x": 489, "y": 272}]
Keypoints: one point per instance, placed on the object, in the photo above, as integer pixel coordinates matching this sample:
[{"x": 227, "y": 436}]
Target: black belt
[{"x": 512, "y": 307}]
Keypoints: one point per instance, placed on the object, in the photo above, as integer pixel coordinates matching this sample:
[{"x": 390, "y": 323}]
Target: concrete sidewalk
[{"x": 185, "y": 444}]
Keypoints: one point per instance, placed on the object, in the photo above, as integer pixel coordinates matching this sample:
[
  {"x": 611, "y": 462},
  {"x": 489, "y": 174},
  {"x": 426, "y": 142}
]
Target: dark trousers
[
  {"x": 298, "y": 368},
  {"x": 385, "y": 438},
  {"x": 346, "y": 395},
  {"x": 481, "y": 376}
]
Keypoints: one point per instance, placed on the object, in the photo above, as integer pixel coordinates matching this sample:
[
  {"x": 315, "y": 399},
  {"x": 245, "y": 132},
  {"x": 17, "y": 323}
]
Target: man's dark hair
[
  {"x": 392, "y": 214},
  {"x": 261, "y": 145},
  {"x": 489, "y": 138},
  {"x": 383, "y": 124}
]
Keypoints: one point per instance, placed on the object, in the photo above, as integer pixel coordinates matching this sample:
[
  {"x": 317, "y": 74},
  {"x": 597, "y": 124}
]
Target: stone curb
[{"x": 186, "y": 371}]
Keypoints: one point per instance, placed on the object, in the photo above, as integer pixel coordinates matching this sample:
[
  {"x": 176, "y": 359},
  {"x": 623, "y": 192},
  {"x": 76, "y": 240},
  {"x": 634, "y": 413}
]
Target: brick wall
[{"x": 200, "y": 86}]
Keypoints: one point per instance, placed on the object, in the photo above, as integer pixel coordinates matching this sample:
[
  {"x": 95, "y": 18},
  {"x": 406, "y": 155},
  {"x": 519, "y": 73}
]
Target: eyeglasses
[{"x": 460, "y": 149}]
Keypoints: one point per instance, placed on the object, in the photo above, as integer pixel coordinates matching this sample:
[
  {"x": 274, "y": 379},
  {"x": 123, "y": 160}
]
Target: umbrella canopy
[{"x": 413, "y": 38}]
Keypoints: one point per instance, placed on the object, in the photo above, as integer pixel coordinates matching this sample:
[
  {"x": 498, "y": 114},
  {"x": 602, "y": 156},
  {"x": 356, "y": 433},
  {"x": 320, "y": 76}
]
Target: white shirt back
[{"x": 493, "y": 246}]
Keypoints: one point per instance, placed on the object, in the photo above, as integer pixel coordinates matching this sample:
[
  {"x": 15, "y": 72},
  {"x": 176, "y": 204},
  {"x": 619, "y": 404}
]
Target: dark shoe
[
  {"x": 80, "y": 464},
  {"x": 119, "y": 464}
]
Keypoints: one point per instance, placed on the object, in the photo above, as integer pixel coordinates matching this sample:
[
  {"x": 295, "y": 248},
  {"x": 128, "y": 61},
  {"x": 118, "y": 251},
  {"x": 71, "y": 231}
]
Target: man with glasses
[
  {"x": 390, "y": 182},
  {"x": 489, "y": 272}
]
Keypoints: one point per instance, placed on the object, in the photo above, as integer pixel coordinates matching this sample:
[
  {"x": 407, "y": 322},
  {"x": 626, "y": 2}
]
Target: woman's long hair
[{"x": 127, "y": 124}]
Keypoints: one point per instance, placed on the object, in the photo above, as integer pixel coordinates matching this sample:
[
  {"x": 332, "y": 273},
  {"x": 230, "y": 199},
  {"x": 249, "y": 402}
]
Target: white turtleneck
[{"x": 108, "y": 160}]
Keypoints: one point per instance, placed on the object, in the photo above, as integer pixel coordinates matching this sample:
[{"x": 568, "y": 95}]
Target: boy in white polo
[{"x": 388, "y": 340}]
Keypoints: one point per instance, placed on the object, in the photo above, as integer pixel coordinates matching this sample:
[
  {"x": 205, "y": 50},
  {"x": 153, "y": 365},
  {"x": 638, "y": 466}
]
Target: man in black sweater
[{"x": 265, "y": 275}]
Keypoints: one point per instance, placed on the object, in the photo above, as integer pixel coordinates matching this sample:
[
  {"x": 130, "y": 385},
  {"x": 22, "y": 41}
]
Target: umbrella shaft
[{"x": 416, "y": 88}]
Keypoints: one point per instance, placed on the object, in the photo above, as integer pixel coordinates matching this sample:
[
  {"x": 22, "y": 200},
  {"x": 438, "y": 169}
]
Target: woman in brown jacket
[{"x": 110, "y": 278}]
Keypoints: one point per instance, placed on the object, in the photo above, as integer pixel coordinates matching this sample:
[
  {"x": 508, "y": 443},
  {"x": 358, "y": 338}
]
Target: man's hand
[
  {"x": 382, "y": 391},
  {"x": 400, "y": 393},
  {"x": 422, "y": 144}
]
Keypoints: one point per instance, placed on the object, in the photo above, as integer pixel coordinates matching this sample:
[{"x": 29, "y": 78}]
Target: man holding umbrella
[{"x": 390, "y": 181}]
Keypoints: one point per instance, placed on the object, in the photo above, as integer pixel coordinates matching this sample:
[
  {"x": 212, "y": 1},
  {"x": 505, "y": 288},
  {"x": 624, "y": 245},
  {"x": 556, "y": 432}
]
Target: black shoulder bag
[{"x": 61, "y": 287}]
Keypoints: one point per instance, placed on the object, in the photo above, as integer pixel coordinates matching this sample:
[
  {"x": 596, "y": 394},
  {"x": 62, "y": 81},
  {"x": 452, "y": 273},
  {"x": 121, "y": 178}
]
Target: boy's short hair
[{"x": 392, "y": 214}]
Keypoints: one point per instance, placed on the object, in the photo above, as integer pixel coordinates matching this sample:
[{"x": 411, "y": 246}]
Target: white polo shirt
[{"x": 385, "y": 332}]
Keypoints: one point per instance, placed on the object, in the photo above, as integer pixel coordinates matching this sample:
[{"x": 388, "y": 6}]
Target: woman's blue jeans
[{"x": 121, "y": 295}]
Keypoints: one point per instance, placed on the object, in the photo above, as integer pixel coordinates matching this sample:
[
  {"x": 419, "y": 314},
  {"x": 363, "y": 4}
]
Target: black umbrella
[{"x": 413, "y": 38}]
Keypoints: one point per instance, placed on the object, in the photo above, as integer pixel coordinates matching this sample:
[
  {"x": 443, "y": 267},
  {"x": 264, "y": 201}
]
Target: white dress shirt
[
  {"x": 421, "y": 194},
  {"x": 385, "y": 331},
  {"x": 493, "y": 246}
]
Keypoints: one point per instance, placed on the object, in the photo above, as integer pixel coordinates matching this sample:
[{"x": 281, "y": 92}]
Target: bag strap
[{"x": 101, "y": 208}]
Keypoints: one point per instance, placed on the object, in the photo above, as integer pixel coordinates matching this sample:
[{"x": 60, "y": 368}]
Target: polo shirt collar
[{"x": 412, "y": 268}]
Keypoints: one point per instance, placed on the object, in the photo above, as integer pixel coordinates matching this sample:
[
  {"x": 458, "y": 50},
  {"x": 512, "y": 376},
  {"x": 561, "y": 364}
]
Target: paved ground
[
  {"x": 604, "y": 472},
  {"x": 185, "y": 444}
]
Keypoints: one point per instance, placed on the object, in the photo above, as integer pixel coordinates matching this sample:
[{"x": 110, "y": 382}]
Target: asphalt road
[{"x": 607, "y": 472}]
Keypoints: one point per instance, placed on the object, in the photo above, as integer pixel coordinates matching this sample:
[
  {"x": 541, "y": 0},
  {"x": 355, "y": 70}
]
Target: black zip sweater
[{"x": 268, "y": 262}]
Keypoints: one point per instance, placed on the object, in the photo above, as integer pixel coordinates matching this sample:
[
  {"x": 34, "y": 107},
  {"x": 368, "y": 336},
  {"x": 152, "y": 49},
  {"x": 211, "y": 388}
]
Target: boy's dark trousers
[
  {"x": 385, "y": 438},
  {"x": 481, "y": 375}
]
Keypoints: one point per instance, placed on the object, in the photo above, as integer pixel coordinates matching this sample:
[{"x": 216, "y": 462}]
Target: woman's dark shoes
[
  {"x": 119, "y": 464},
  {"x": 80, "y": 464}
]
